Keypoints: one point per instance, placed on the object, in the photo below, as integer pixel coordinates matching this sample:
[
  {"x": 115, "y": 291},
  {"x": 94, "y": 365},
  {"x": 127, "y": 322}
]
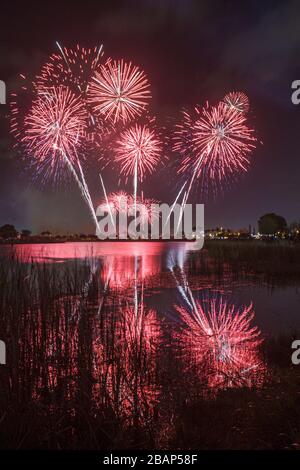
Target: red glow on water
[{"x": 220, "y": 340}]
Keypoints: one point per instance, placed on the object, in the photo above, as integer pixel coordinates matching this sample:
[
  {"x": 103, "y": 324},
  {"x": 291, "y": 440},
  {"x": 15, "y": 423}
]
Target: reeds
[{"x": 87, "y": 369}]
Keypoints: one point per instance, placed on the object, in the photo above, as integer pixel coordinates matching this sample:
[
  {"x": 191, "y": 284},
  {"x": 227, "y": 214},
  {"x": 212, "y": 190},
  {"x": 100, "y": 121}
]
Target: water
[
  {"x": 123, "y": 263},
  {"x": 119, "y": 335}
]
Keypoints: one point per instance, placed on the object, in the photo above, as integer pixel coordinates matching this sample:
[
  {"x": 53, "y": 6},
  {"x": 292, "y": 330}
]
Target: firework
[
  {"x": 237, "y": 100},
  {"x": 220, "y": 339},
  {"x": 53, "y": 135},
  {"x": 124, "y": 203},
  {"x": 119, "y": 201},
  {"x": 138, "y": 147},
  {"x": 55, "y": 122},
  {"x": 224, "y": 138},
  {"x": 72, "y": 67},
  {"x": 138, "y": 151},
  {"x": 20, "y": 102},
  {"x": 119, "y": 91},
  {"x": 215, "y": 144},
  {"x": 147, "y": 209},
  {"x": 54, "y": 125}
]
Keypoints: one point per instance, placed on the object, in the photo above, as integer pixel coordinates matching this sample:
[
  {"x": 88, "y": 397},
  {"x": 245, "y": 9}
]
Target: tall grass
[
  {"x": 278, "y": 263},
  {"x": 87, "y": 370}
]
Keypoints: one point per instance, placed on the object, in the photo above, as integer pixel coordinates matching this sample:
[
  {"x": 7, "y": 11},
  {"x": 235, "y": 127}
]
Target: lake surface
[
  {"x": 129, "y": 330},
  {"x": 135, "y": 264}
]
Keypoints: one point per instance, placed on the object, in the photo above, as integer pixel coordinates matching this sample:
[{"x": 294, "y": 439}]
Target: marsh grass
[
  {"x": 85, "y": 370},
  {"x": 273, "y": 262}
]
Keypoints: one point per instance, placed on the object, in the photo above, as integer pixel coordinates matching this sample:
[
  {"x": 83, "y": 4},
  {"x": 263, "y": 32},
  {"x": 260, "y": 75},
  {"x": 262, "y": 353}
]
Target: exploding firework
[
  {"x": 148, "y": 209},
  {"x": 123, "y": 203},
  {"x": 20, "y": 102},
  {"x": 120, "y": 200},
  {"x": 222, "y": 133},
  {"x": 138, "y": 147},
  {"x": 53, "y": 129},
  {"x": 119, "y": 91},
  {"x": 215, "y": 144},
  {"x": 238, "y": 101},
  {"x": 138, "y": 151},
  {"x": 220, "y": 339},
  {"x": 53, "y": 135},
  {"x": 72, "y": 67}
]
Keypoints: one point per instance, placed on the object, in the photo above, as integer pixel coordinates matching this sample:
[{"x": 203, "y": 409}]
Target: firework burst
[
  {"x": 53, "y": 134},
  {"x": 20, "y": 101},
  {"x": 54, "y": 127},
  {"x": 122, "y": 202},
  {"x": 119, "y": 200},
  {"x": 238, "y": 101},
  {"x": 148, "y": 209},
  {"x": 215, "y": 143},
  {"x": 72, "y": 67},
  {"x": 138, "y": 151},
  {"x": 140, "y": 147},
  {"x": 119, "y": 91}
]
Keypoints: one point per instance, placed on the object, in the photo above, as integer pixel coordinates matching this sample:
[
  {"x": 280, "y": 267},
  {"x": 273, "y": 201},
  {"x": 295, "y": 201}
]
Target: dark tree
[
  {"x": 46, "y": 233},
  {"x": 26, "y": 233},
  {"x": 269, "y": 224},
  {"x": 8, "y": 231}
]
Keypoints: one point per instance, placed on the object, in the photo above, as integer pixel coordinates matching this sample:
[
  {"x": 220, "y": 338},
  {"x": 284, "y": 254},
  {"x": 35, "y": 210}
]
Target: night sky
[{"x": 191, "y": 51}]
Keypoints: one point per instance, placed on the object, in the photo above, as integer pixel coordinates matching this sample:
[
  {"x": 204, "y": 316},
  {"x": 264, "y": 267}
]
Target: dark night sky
[{"x": 191, "y": 51}]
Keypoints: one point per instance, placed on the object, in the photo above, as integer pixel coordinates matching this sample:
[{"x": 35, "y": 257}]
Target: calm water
[
  {"x": 122, "y": 333},
  {"x": 137, "y": 265}
]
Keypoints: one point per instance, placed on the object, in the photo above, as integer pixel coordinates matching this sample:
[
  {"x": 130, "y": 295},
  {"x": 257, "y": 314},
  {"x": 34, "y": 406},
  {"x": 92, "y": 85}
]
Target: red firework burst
[
  {"x": 20, "y": 101},
  {"x": 53, "y": 130},
  {"x": 222, "y": 342},
  {"x": 147, "y": 209},
  {"x": 119, "y": 91},
  {"x": 138, "y": 146},
  {"x": 117, "y": 202},
  {"x": 215, "y": 143},
  {"x": 122, "y": 202},
  {"x": 237, "y": 100},
  {"x": 120, "y": 199},
  {"x": 72, "y": 67}
]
